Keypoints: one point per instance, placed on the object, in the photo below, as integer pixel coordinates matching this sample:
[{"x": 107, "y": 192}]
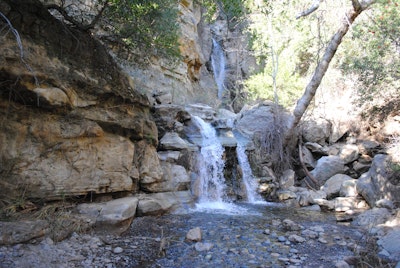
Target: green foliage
[
  {"x": 289, "y": 85},
  {"x": 375, "y": 60},
  {"x": 148, "y": 25},
  {"x": 277, "y": 41},
  {"x": 233, "y": 11}
]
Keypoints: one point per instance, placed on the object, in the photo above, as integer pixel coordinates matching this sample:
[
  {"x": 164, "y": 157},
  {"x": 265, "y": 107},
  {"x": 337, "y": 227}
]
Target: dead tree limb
[
  {"x": 306, "y": 169},
  {"x": 314, "y": 6}
]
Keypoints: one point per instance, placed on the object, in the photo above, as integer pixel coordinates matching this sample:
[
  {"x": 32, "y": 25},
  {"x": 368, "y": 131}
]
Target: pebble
[
  {"x": 322, "y": 240},
  {"x": 199, "y": 246},
  {"x": 118, "y": 250},
  {"x": 261, "y": 245},
  {"x": 281, "y": 238}
]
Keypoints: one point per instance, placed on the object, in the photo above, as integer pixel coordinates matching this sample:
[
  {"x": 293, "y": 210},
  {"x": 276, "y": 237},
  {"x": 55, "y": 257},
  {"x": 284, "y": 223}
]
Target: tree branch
[
  {"x": 322, "y": 67},
  {"x": 307, "y": 12},
  {"x": 21, "y": 48}
]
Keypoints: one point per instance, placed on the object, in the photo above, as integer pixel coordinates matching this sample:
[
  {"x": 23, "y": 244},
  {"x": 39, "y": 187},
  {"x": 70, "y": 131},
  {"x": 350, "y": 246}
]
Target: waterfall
[
  {"x": 248, "y": 179},
  {"x": 211, "y": 165},
  {"x": 218, "y": 65}
]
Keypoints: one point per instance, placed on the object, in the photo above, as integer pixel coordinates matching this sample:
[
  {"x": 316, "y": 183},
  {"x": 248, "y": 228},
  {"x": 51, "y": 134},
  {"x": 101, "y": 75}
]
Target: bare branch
[
  {"x": 307, "y": 12},
  {"x": 21, "y": 49}
]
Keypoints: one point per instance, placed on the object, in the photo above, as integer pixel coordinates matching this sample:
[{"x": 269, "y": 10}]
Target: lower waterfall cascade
[{"x": 211, "y": 184}]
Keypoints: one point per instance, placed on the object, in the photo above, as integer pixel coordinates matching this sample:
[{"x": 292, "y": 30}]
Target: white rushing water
[
  {"x": 248, "y": 178},
  {"x": 211, "y": 165},
  {"x": 211, "y": 187},
  {"x": 218, "y": 65}
]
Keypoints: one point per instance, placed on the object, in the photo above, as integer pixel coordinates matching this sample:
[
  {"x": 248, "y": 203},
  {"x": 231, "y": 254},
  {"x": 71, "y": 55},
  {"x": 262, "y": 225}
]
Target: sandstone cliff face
[
  {"x": 72, "y": 122},
  {"x": 185, "y": 81}
]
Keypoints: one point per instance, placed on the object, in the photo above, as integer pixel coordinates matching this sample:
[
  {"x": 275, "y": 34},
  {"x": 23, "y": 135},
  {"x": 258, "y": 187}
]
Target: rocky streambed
[{"x": 261, "y": 235}]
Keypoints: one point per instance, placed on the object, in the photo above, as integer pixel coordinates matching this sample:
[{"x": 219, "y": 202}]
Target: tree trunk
[{"x": 309, "y": 93}]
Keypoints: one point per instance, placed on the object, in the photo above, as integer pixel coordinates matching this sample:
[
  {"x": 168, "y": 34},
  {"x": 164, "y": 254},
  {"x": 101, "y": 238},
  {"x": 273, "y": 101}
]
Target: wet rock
[
  {"x": 161, "y": 203},
  {"x": 172, "y": 141},
  {"x": 194, "y": 234},
  {"x": 203, "y": 111},
  {"x": 169, "y": 156}
]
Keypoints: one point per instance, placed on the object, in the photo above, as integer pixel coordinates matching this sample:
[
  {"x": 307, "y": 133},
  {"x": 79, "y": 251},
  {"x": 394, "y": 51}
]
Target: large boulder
[
  {"x": 162, "y": 203},
  {"x": 253, "y": 120},
  {"x": 349, "y": 153},
  {"x": 174, "y": 178},
  {"x": 317, "y": 131},
  {"x": 112, "y": 217},
  {"x": 326, "y": 167},
  {"x": 333, "y": 185},
  {"x": 22, "y": 231},
  {"x": 372, "y": 217},
  {"x": 172, "y": 141},
  {"x": 380, "y": 182},
  {"x": 390, "y": 244}
]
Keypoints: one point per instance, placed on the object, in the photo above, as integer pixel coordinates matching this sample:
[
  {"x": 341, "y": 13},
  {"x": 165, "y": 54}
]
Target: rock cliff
[{"x": 72, "y": 122}]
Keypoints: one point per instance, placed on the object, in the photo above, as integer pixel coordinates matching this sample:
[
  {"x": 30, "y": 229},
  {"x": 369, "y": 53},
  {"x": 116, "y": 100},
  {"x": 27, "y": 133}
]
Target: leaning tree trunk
[{"x": 309, "y": 93}]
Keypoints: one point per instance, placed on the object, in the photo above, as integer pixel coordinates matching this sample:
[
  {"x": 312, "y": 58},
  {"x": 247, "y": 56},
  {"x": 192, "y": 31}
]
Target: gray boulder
[
  {"x": 112, "y": 217},
  {"x": 162, "y": 203},
  {"x": 327, "y": 166},
  {"x": 348, "y": 188},
  {"x": 333, "y": 185},
  {"x": 390, "y": 244},
  {"x": 376, "y": 184},
  {"x": 22, "y": 231},
  {"x": 316, "y": 131},
  {"x": 372, "y": 217},
  {"x": 172, "y": 141}
]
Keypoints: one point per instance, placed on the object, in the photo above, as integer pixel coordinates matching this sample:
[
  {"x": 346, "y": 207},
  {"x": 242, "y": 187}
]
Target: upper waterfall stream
[{"x": 218, "y": 65}]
